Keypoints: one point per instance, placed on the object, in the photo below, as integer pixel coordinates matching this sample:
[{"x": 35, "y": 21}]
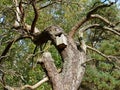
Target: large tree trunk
[
  {"x": 73, "y": 61},
  {"x": 73, "y": 68}
]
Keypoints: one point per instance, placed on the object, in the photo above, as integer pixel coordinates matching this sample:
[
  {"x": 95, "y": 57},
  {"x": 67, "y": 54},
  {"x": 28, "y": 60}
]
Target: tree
[{"x": 22, "y": 26}]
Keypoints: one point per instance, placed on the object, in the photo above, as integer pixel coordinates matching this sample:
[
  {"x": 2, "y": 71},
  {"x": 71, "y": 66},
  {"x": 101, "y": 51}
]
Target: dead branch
[
  {"x": 114, "y": 57},
  {"x": 36, "y": 85},
  {"x": 28, "y": 86},
  {"x": 17, "y": 22}
]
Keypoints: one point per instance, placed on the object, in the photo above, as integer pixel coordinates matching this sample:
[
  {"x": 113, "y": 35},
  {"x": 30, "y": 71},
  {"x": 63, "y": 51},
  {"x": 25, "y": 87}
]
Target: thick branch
[
  {"x": 88, "y": 17},
  {"x": 73, "y": 71},
  {"x": 80, "y": 23},
  {"x": 52, "y": 72},
  {"x": 103, "y": 19},
  {"x": 77, "y": 26}
]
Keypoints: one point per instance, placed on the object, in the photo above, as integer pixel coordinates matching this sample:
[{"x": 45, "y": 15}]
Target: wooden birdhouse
[{"x": 61, "y": 41}]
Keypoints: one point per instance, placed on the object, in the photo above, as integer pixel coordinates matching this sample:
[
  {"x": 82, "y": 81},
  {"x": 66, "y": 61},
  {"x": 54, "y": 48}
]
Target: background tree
[{"x": 32, "y": 58}]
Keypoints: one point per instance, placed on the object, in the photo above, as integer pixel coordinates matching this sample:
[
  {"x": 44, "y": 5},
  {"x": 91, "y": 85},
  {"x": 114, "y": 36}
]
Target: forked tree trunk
[
  {"x": 73, "y": 59},
  {"x": 73, "y": 68}
]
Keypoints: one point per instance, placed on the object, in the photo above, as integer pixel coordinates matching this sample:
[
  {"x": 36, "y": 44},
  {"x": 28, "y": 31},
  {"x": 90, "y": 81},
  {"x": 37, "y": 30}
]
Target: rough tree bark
[
  {"x": 73, "y": 59},
  {"x": 73, "y": 56}
]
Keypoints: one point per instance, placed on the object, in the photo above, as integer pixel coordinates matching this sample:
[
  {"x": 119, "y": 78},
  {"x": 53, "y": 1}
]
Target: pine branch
[
  {"x": 100, "y": 53},
  {"x": 102, "y": 27},
  {"x": 88, "y": 17}
]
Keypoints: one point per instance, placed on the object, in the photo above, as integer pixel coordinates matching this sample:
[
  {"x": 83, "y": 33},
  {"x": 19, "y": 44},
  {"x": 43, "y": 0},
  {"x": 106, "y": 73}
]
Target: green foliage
[
  {"x": 45, "y": 86},
  {"x": 101, "y": 78},
  {"x": 21, "y": 68},
  {"x": 111, "y": 47}
]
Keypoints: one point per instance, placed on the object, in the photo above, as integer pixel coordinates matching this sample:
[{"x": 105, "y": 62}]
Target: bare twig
[
  {"x": 47, "y": 5},
  {"x": 1, "y": 57},
  {"x": 32, "y": 87},
  {"x": 36, "y": 85},
  {"x": 33, "y": 54},
  {"x": 27, "y": 86},
  {"x": 113, "y": 57}
]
